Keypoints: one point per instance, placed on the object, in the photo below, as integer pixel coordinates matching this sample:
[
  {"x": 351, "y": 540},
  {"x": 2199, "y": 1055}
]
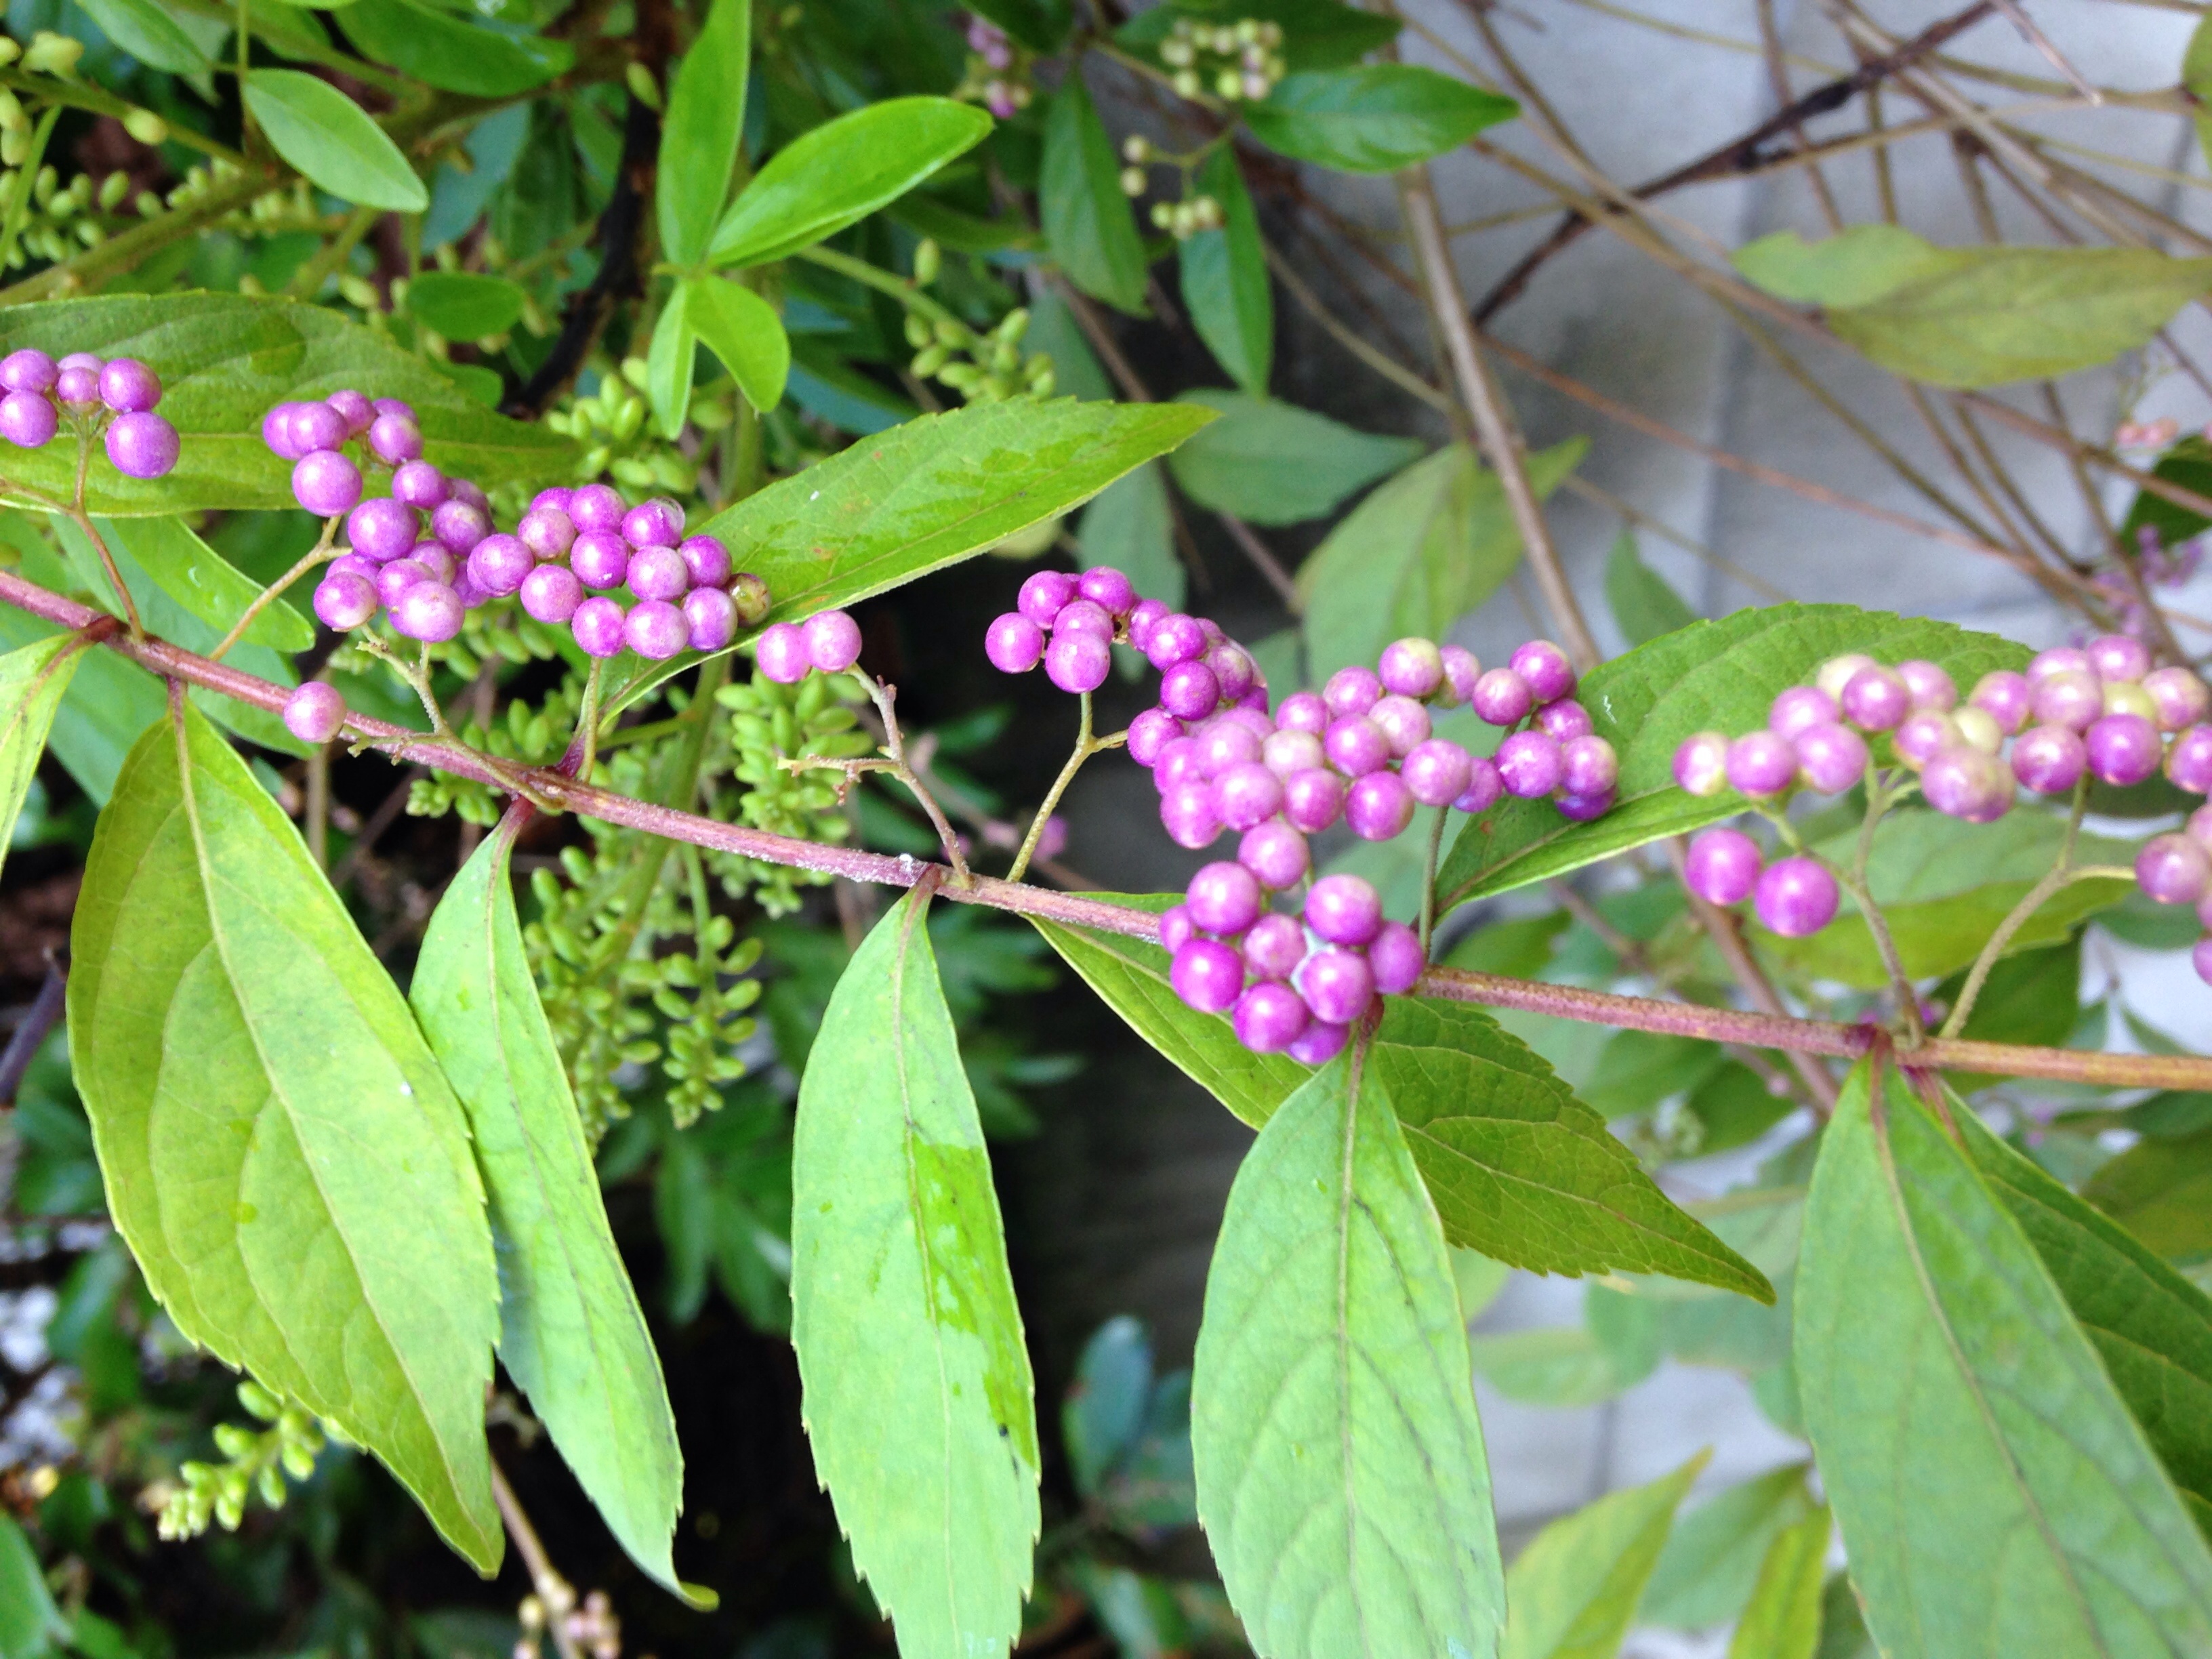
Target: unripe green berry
[
  {"x": 642, "y": 86},
  {"x": 927, "y": 362},
  {"x": 1132, "y": 181},
  {"x": 928, "y": 258},
  {"x": 1136, "y": 149},
  {"x": 918, "y": 333}
]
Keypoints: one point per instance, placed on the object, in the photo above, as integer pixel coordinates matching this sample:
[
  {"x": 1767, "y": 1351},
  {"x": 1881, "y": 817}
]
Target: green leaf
[
  {"x": 2151, "y": 1326},
  {"x": 571, "y": 1331},
  {"x": 1718, "y": 675},
  {"x": 923, "y": 496},
  {"x": 1039, "y": 25},
  {"x": 32, "y": 682},
  {"x": 1994, "y": 1494},
  {"x": 1980, "y": 316},
  {"x": 1088, "y": 222},
  {"x": 464, "y": 305},
  {"x": 1225, "y": 279},
  {"x": 453, "y": 52},
  {"x": 1558, "y": 1366},
  {"x": 333, "y": 140},
  {"x": 1643, "y": 606},
  {"x": 1784, "y": 1619},
  {"x": 1104, "y": 1412},
  {"x": 2189, "y": 464},
  {"x": 838, "y": 174},
  {"x": 293, "y": 1176},
  {"x": 743, "y": 331},
  {"x": 30, "y": 1625},
  {"x": 109, "y": 703},
  {"x": 1520, "y": 1169},
  {"x": 1735, "y": 1107},
  {"x": 918, "y": 1393},
  {"x": 150, "y": 34},
  {"x": 1341, "y": 1478},
  {"x": 2032, "y": 997},
  {"x": 224, "y": 359},
  {"x": 669, "y": 361},
  {"x": 2197, "y": 79},
  {"x": 1636, "y": 1070},
  {"x": 1274, "y": 463},
  {"x": 205, "y": 583},
  {"x": 1316, "y": 34},
  {"x": 1377, "y": 118},
  {"x": 2161, "y": 1191},
  {"x": 699, "y": 137},
  {"x": 1428, "y": 546},
  {"x": 1131, "y": 527},
  {"x": 1574, "y": 1589},
  {"x": 1713, "y": 1556}
]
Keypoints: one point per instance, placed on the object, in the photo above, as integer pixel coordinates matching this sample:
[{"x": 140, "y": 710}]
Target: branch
[{"x": 549, "y": 787}]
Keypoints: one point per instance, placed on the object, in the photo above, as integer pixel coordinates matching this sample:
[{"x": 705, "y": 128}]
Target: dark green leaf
[
  {"x": 331, "y": 139},
  {"x": 1784, "y": 1619},
  {"x": 1274, "y": 463},
  {"x": 224, "y": 359},
  {"x": 2161, "y": 1191},
  {"x": 481, "y": 58},
  {"x": 2032, "y": 999},
  {"x": 1427, "y": 547},
  {"x": 1340, "y": 1470},
  {"x": 1712, "y": 1558},
  {"x": 836, "y": 175},
  {"x": 918, "y": 1394},
  {"x": 150, "y": 34},
  {"x": 1718, "y": 675},
  {"x": 919, "y": 497},
  {"x": 1088, "y": 222},
  {"x": 1643, "y": 606},
  {"x": 464, "y": 305},
  {"x": 1105, "y": 1407},
  {"x": 32, "y": 682},
  {"x": 571, "y": 1331},
  {"x": 1377, "y": 118},
  {"x": 1639, "y": 1069},
  {"x": 294, "y": 1179},
  {"x": 700, "y": 135},
  {"x": 1317, "y": 34},
  {"x": 2189, "y": 464},
  {"x": 1574, "y": 1589},
  {"x": 1225, "y": 279},
  {"x": 670, "y": 359},
  {"x": 1039, "y": 25},
  {"x": 743, "y": 331},
  {"x": 30, "y": 1625},
  {"x": 1994, "y": 1494},
  {"x": 1843, "y": 1623},
  {"x": 1735, "y": 1107}
]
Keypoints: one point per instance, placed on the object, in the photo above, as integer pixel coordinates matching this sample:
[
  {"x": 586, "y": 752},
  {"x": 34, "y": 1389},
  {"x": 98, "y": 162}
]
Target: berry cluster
[
  {"x": 2102, "y": 711},
  {"x": 1361, "y": 750},
  {"x": 1239, "y": 60},
  {"x": 120, "y": 395},
  {"x": 998, "y": 71}
]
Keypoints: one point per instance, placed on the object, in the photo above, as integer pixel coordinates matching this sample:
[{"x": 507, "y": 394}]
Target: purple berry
[
  {"x": 545, "y": 531},
  {"x": 1585, "y": 809},
  {"x": 2123, "y": 748},
  {"x": 1276, "y": 854},
  {"x": 711, "y": 614},
  {"x": 315, "y": 711},
  {"x": 428, "y": 610},
  {"x": 2005, "y": 697},
  {"x": 1269, "y": 1019},
  {"x": 457, "y": 525},
  {"x": 1403, "y": 723},
  {"x": 381, "y": 529},
  {"x": 29, "y": 370},
  {"x": 1761, "y": 764},
  {"x": 1831, "y": 757},
  {"x": 26, "y": 419},
  {"x": 600, "y": 557},
  {"x": 1565, "y": 719},
  {"x": 1188, "y": 690},
  {"x": 658, "y": 573},
  {"x": 2072, "y": 697},
  {"x": 395, "y": 579},
  {"x": 1180, "y": 760},
  {"x": 1344, "y": 909},
  {"x": 708, "y": 559},
  {"x": 2059, "y": 660},
  {"x": 1531, "y": 764},
  {"x": 1796, "y": 898},
  {"x": 1338, "y": 985},
  {"x": 2049, "y": 759},
  {"x": 1323, "y": 1042},
  {"x": 1962, "y": 782},
  {"x": 1411, "y": 668},
  {"x": 1591, "y": 766},
  {"x": 2198, "y": 827},
  {"x": 83, "y": 359},
  {"x": 344, "y": 600},
  {"x": 551, "y": 594},
  {"x": 1485, "y": 788},
  {"x": 1721, "y": 866},
  {"x": 2200, "y": 959},
  {"x": 1080, "y": 616},
  {"x": 595, "y": 507},
  {"x": 782, "y": 653},
  {"x": 316, "y": 426},
  {"x": 2116, "y": 657},
  {"x": 1143, "y": 615},
  {"x": 1351, "y": 692},
  {"x": 656, "y": 523},
  {"x": 499, "y": 563},
  {"x": 1015, "y": 645},
  {"x": 1149, "y": 734},
  {"x": 1207, "y": 975},
  {"x": 2180, "y": 697},
  {"x": 143, "y": 445},
  {"x": 1224, "y": 897},
  {"x": 1875, "y": 699},
  {"x": 656, "y": 630},
  {"x": 1176, "y": 928},
  {"x": 1081, "y": 662},
  {"x": 442, "y": 565},
  {"x": 355, "y": 409},
  {"x": 418, "y": 484},
  {"x": 2174, "y": 870},
  {"x": 1275, "y": 947},
  {"x": 77, "y": 387},
  {"x": 1108, "y": 589},
  {"x": 598, "y": 626},
  {"x": 2189, "y": 762},
  {"x": 1799, "y": 707},
  {"x": 1355, "y": 745},
  {"x": 1503, "y": 697},
  {"x": 1187, "y": 813},
  {"x": 1313, "y": 800},
  {"x": 1253, "y": 721},
  {"x": 1286, "y": 752},
  {"x": 1378, "y": 806},
  {"x": 1462, "y": 671},
  {"x": 1396, "y": 958},
  {"x": 1545, "y": 669},
  {"x": 326, "y": 483},
  {"x": 128, "y": 386},
  {"x": 355, "y": 563},
  {"x": 1304, "y": 711},
  {"x": 393, "y": 438},
  {"x": 1928, "y": 685},
  {"x": 1247, "y": 794},
  {"x": 1233, "y": 669},
  {"x": 1701, "y": 763},
  {"x": 1437, "y": 772},
  {"x": 1922, "y": 736},
  {"x": 1043, "y": 595}
]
